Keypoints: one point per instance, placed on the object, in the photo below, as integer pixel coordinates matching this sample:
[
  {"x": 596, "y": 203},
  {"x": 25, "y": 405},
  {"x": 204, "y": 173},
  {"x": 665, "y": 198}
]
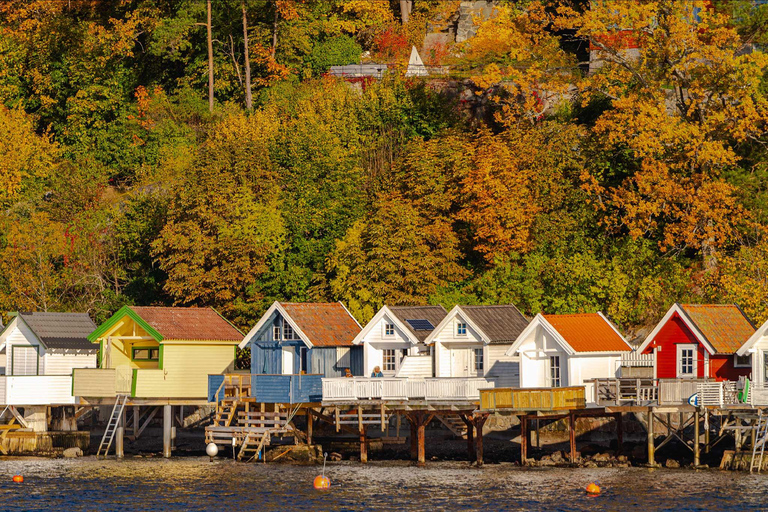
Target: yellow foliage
[{"x": 25, "y": 157}]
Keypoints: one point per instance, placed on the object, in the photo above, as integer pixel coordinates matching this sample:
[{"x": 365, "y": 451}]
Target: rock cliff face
[
  {"x": 468, "y": 11},
  {"x": 461, "y": 25}
]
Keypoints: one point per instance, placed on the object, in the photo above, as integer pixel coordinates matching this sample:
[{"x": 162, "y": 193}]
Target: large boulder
[{"x": 73, "y": 453}]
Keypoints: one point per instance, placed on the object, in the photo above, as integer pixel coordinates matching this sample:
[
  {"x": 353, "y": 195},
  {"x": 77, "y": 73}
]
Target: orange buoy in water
[
  {"x": 322, "y": 482},
  {"x": 18, "y": 479},
  {"x": 593, "y": 489}
]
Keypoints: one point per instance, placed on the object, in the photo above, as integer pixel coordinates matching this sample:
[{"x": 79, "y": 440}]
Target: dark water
[{"x": 196, "y": 484}]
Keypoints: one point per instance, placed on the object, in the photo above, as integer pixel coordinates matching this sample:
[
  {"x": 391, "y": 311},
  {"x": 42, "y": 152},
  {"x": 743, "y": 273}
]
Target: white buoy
[{"x": 212, "y": 450}]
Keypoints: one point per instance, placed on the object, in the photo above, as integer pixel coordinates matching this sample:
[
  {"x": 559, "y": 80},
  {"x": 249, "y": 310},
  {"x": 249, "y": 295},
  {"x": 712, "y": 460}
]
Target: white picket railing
[
  {"x": 636, "y": 359},
  {"x": 432, "y": 389}
]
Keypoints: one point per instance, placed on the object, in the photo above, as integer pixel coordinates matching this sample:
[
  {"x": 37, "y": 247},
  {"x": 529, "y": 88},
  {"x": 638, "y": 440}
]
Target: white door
[
  {"x": 460, "y": 362},
  {"x": 23, "y": 360},
  {"x": 288, "y": 360}
]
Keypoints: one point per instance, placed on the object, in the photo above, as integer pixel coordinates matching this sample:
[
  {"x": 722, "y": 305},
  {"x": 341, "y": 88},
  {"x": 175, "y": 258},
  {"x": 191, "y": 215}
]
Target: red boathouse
[{"x": 700, "y": 340}]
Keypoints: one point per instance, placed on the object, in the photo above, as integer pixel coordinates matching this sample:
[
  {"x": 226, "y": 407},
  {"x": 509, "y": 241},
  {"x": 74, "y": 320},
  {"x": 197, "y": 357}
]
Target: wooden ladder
[
  {"x": 251, "y": 446},
  {"x": 761, "y": 437},
  {"x": 455, "y": 424},
  {"x": 114, "y": 420}
]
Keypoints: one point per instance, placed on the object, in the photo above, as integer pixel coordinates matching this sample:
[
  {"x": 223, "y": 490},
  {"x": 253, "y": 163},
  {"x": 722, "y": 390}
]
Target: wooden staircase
[
  {"x": 225, "y": 412},
  {"x": 455, "y": 424}
]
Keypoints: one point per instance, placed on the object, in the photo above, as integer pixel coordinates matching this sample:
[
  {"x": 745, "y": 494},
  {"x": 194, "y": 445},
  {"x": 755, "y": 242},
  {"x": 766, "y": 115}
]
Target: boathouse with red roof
[{"x": 700, "y": 341}]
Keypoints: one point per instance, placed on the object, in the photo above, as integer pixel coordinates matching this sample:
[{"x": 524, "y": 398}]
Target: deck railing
[
  {"x": 431, "y": 389},
  {"x": 644, "y": 391},
  {"x": 635, "y": 359}
]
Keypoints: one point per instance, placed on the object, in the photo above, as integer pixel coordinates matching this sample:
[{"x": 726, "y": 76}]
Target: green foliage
[{"x": 336, "y": 51}]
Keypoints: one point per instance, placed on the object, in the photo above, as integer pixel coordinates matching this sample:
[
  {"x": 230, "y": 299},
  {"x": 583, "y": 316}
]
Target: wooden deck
[{"x": 402, "y": 391}]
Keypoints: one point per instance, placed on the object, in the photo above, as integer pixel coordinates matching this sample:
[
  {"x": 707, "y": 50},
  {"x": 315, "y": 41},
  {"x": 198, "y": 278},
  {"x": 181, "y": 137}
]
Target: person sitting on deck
[
  {"x": 377, "y": 372},
  {"x": 348, "y": 373}
]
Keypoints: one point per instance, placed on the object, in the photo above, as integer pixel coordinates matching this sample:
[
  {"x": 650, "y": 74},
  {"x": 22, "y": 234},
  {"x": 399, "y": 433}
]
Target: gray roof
[
  {"x": 433, "y": 314},
  {"x": 61, "y": 330},
  {"x": 502, "y": 324}
]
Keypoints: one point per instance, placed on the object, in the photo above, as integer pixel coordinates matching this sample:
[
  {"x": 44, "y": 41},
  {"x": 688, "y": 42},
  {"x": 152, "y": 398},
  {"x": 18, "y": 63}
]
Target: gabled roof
[
  {"x": 326, "y": 324},
  {"x": 720, "y": 328},
  {"x": 495, "y": 324},
  {"x": 752, "y": 341},
  {"x": 432, "y": 314},
  {"x": 577, "y": 333},
  {"x": 59, "y": 330},
  {"x": 169, "y": 323},
  {"x": 500, "y": 324}
]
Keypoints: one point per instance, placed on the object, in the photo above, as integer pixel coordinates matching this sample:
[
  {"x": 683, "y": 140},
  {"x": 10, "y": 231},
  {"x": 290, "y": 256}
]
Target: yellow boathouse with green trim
[{"x": 159, "y": 353}]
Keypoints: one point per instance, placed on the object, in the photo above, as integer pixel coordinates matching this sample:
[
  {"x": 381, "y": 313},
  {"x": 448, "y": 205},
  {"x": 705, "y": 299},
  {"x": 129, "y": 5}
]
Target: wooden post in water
[
  {"x": 414, "y": 440},
  {"x": 422, "y": 442},
  {"x": 619, "y": 432},
  {"x": 523, "y": 439},
  {"x": 572, "y": 435},
  {"x": 310, "y": 425},
  {"x": 651, "y": 442},
  {"x": 136, "y": 418},
  {"x": 696, "y": 418},
  {"x": 479, "y": 424},
  {"x": 363, "y": 446},
  {"x": 706, "y": 431},
  {"x": 167, "y": 423}
]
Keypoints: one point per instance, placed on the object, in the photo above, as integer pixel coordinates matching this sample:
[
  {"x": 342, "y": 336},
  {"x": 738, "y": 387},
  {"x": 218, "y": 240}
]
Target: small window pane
[
  {"x": 461, "y": 329},
  {"x": 554, "y": 371},
  {"x": 478, "y": 360},
  {"x": 287, "y": 332},
  {"x": 389, "y": 330},
  {"x": 390, "y": 360}
]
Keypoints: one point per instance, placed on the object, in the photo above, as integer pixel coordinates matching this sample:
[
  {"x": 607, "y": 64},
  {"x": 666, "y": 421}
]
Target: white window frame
[
  {"x": 694, "y": 363},
  {"x": 389, "y": 330},
  {"x": 736, "y": 361},
  {"x": 461, "y": 328},
  {"x": 478, "y": 356},
  {"x": 288, "y": 332},
  {"x": 386, "y": 354},
  {"x": 555, "y": 372},
  {"x": 276, "y": 332}
]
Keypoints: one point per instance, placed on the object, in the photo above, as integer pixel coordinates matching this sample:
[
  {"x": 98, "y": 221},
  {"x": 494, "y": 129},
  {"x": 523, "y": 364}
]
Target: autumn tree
[{"x": 684, "y": 95}]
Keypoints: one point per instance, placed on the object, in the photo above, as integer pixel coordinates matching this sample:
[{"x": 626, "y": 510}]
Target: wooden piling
[
  {"x": 167, "y": 423},
  {"x": 422, "y": 448},
  {"x": 136, "y": 418},
  {"x": 310, "y": 426},
  {"x": 572, "y": 435},
  {"x": 651, "y": 441},
  {"x": 414, "y": 440},
  {"x": 363, "y": 446},
  {"x": 696, "y": 418},
  {"x": 479, "y": 424},
  {"x": 706, "y": 432},
  {"x": 523, "y": 439}
]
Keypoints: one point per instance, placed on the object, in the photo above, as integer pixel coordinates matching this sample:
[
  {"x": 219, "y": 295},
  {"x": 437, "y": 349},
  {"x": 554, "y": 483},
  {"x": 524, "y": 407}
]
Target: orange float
[
  {"x": 322, "y": 483},
  {"x": 18, "y": 479},
  {"x": 593, "y": 489}
]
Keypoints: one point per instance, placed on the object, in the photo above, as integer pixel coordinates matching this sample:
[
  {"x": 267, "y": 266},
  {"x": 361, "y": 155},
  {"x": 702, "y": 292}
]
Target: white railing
[
  {"x": 36, "y": 390},
  {"x": 717, "y": 393},
  {"x": 636, "y": 359},
  {"x": 758, "y": 396},
  {"x": 432, "y": 389}
]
